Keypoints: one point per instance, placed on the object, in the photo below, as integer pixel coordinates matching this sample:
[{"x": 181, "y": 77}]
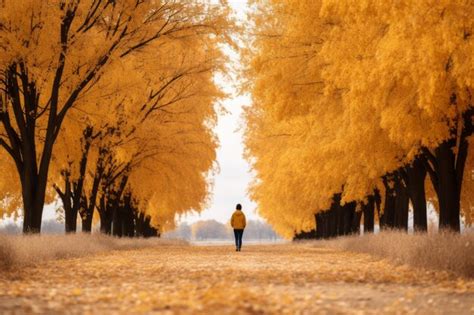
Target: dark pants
[{"x": 238, "y": 233}]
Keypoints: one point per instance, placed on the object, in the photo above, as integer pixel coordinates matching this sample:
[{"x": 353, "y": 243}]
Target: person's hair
[{"x": 238, "y": 207}]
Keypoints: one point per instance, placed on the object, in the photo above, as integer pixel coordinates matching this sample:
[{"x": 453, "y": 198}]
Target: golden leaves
[
  {"x": 344, "y": 93},
  {"x": 151, "y": 101},
  {"x": 280, "y": 279}
]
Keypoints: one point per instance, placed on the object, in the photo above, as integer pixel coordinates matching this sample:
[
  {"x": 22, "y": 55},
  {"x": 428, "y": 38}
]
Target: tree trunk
[
  {"x": 333, "y": 222},
  {"x": 70, "y": 212},
  {"x": 33, "y": 185},
  {"x": 115, "y": 207},
  {"x": 105, "y": 215},
  {"x": 338, "y": 215},
  {"x": 148, "y": 229},
  {"x": 90, "y": 204},
  {"x": 86, "y": 223},
  {"x": 139, "y": 225},
  {"x": 128, "y": 226},
  {"x": 448, "y": 194},
  {"x": 319, "y": 226},
  {"x": 356, "y": 222},
  {"x": 71, "y": 220},
  {"x": 387, "y": 219},
  {"x": 415, "y": 182},
  {"x": 74, "y": 189},
  {"x": 446, "y": 170},
  {"x": 33, "y": 201},
  {"x": 117, "y": 221},
  {"x": 326, "y": 225},
  {"x": 368, "y": 210},
  {"x": 73, "y": 225},
  {"x": 29, "y": 210},
  {"x": 401, "y": 205},
  {"x": 349, "y": 210},
  {"x": 105, "y": 225}
]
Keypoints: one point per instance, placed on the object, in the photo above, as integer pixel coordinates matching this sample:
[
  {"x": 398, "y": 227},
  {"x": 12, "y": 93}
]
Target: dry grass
[
  {"x": 445, "y": 251},
  {"x": 20, "y": 251},
  {"x": 262, "y": 279}
]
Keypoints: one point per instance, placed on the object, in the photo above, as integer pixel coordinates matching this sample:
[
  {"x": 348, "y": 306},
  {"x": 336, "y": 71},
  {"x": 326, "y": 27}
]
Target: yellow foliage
[
  {"x": 152, "y": 107},
  {"x": 345, "y": 92}
]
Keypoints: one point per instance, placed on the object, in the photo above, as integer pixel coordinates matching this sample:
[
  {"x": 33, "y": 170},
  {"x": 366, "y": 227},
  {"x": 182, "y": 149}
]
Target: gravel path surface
[{"x": 278, "y": 279}]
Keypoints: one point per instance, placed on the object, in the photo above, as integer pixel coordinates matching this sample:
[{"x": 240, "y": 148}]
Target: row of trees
[
  {"x": 361, "y": 107},
  {"x": 214, "y": 230},
  {"x": 108, "y": 106}
]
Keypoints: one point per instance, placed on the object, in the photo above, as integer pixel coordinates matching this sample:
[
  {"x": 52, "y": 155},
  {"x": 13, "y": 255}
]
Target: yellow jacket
[{"x": 238, "y": 220}]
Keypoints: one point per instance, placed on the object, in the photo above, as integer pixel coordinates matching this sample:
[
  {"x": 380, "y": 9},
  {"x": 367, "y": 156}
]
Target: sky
[{"x": 232, "y": 182}]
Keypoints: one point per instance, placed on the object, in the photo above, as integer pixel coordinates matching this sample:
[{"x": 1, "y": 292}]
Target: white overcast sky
[{"x": 231, "y": 183}]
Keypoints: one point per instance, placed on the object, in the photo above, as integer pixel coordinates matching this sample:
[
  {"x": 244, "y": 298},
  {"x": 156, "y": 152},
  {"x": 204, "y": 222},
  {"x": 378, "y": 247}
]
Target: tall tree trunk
[
  {"x": 338, "y": 215},
  {"x": 448, "y": 194},
  {"x": 128, "y": 224},
  {"x": 105, "y": 215},
  {"x": 323, "y": 225},
  {"x": 446, "y": 170},
  {"x": 28, "y": 195},
  {"x": 86, "y": 220},
  {"x": 442, "y": 172},
  {"x": 356, "y": 223},
  {"x": 75, "y": 187},
  {"x": 33, "y": 182},
  {"x": 387, "y": 219},
  {"x": 368, "y": 210},
  {"x": 70, "y": 213},
  {"x": 90, "y": 203},
  {"x": 105, "y": 225},
  {"x": 327, "y": 224},
  {"x": 139, "y": 225},
  {"x": 319, "y": 226},
  {"x": 333, "y": 222},
  {"x": 149, "y": 230},
  {"x": 414, "y": 176},
  {"x": 401, "y": 205},
  {"x": 117, "y": 221},
  {"x": 349, "y": 210},
  {"x": 116, "y": 207}
]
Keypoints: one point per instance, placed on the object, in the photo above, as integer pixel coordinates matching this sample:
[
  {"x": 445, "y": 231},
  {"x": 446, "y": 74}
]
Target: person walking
[{"x": 238, "y": 223}]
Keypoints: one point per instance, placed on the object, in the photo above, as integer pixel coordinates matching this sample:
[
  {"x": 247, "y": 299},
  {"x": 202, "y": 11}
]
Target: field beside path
[
  {"x": 443, "y": 251},
  {"x": 273, "y": 279}
]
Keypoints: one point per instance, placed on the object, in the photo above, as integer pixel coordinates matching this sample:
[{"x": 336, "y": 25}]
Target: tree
[
  {"x": 53, "y": 58},
  {"x": 345, "y": 99},
  {"x": 209, "y": 229},
  {"x": 183, "y": 231},
  {"x": 416, "y": 75}
]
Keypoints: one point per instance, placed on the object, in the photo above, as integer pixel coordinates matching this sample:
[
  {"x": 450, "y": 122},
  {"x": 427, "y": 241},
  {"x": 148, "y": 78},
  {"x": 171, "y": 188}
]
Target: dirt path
[{"x": 277, "y": 279}]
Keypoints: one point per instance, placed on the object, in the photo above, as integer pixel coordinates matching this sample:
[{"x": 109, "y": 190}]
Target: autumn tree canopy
[
  {"x": 109, "y": 105},
  {"x": 362, "y": 99},
  {"x": 360, "y": 108}
]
